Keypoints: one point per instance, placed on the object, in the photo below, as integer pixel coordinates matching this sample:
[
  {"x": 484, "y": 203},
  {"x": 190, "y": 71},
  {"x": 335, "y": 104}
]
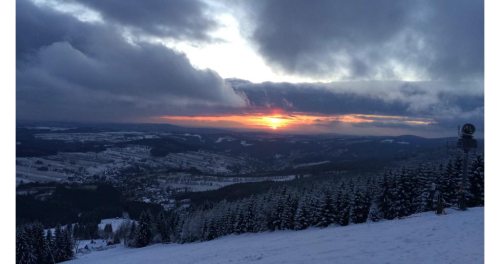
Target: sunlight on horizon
[{"x": 287, "y": 121}]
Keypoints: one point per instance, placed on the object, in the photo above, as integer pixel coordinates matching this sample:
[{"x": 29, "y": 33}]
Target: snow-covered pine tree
[
  {"x": 402, "y": 199},
  {"x": 68, "y": 243},
  {"x": 49, "y": 241},
  {"x": 368, "y": 201},
  {"x": 250, "y": 215},
  {"x": 428, "y": 179},
  {"x": 414, "y": 190},
  {"x": 343, "y": 208},
  {"x": 240, "y": 225},
  {"x": 58, "y": 251},
  {"x": 24, "y": 250},
  {"x": 212, "y": 231},
  {"x": 275, "y": 214},
  {"x": 289, "y": 211},
  {"x": 345, "y": 213},
  {"x": 338, "y": 202},
  {"x": 161, "y": 227},
  {"x": 476, "y": 181},
  {"x": 457, "y": 179},
  {"x": 384, "y": 199},
  {"x": 152, "y": 222},
  {"x": 327, "y": 210},
  {"x": 447, "y": 188},
  {"x": 144, "y": 233},
  {"x": 231, "y": 221},
  {"x": 359, "y": 210},
  {"x": 40, "y": 247},
  {"x": 302, "y": 217},
  {"x": 314, "y": 207}
]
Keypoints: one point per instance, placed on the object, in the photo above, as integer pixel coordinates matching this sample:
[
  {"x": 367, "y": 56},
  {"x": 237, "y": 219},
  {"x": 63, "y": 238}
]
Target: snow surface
[
  {"x": 115, "y": 223},
  {"x": 311, "y": 164},
  {"x": 245, "y": 144},
  {"x": 457, "y": 237}
]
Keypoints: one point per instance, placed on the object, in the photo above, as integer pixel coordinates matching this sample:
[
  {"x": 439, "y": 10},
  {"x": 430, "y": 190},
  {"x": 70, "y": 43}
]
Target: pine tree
[
  {"x": 447, "y": 188},
  {"x": 144, "y": 234},
  {"x": 240, "y": 225},
  {"x": 59, "y": 252},
  {"x": 345, "y": 211},
  {"x": 302, "y": 218},
  {"x": 428, "y": 183},
  {"x": 289, "y": 211},
  {"x": 457, "y": 179},
  {"x": 402, "y": 198},
  {"x": 359, "y": 209},
  {"x": 476, "y": 182},
  {"x": 40, "y": 247},
  {"x": 384, "y": 199},
  {"x": 314, "y": 209},
  {"x": 68, "y": 244},
  {"x": 327, "y": 213},
  {"x": 250, "y": 216},
  {"x": 24, "y": 250},
  {"x": 161, "y": 226},
  {"x": 212, "y": 231},
  {"x": 49, "y": 240}
]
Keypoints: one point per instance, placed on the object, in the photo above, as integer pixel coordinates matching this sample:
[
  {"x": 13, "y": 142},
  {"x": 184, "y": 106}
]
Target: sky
[{"x": 321, "y": 66}]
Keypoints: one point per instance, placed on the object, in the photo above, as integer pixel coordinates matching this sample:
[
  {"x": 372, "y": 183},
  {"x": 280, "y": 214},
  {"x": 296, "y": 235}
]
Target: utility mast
[{"x": 465, "y": 142}]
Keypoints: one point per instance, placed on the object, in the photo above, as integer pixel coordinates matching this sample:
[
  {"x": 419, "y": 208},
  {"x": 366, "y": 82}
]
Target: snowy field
[
  {"x": 423, "y": 238},
  {"x": 115, "y": 223}
]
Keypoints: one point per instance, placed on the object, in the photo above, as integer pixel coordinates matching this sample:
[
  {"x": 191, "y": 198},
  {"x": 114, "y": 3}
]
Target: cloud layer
[
  {"x": 186, "y": 19},
  {"x": 72, "y": 70},
  {"x": 366, "y": 40}
]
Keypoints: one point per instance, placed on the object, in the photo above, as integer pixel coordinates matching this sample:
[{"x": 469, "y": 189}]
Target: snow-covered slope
[{"x": 457, "y": 237}]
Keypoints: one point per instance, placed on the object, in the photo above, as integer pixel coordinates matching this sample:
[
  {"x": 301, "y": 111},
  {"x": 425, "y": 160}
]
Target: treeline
[
  {"x": 34, "y": 245},
  {"x": 395, "y": 194},
  {"x": 72, "y": 203}
]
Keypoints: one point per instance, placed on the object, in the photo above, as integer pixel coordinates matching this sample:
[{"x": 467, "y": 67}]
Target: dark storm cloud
[
  {"x": 163, "y": 18},
  {"x": 361, "y": 40},
  {"x": 38, "y": 27},
  {"x": 62, "y": 74}
]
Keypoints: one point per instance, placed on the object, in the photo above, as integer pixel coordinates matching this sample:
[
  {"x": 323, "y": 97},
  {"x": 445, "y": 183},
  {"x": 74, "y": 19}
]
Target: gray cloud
[
  {"x": 164, "y": 18},
  {"x": 364, "y": 40},
  {"x": 100, "y": 76}
]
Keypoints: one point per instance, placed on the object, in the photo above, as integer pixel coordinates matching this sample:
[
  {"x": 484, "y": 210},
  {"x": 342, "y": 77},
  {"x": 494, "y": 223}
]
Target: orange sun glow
[{"x": 285, "y": 121}]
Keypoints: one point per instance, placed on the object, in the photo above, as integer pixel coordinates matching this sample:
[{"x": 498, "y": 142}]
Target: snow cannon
[{"x": 466, "y": 140}]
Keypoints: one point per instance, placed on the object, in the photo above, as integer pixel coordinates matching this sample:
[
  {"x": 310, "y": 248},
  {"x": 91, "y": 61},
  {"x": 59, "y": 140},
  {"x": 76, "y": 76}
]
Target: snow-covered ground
[
  {"x": 457, "y": 237},
  {"x": 115, "y": 223}
]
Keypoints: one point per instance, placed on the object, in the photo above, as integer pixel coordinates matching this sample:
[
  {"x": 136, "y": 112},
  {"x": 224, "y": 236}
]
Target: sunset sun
[{"x": 274, "y": 122}]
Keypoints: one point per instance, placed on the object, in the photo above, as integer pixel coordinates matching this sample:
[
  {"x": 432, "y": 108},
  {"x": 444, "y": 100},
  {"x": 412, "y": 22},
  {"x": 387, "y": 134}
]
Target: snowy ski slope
[{"x": 457, "y": 237}]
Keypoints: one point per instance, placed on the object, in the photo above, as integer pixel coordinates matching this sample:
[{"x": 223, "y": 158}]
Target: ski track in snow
[{"x": 457, "y": 237}]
